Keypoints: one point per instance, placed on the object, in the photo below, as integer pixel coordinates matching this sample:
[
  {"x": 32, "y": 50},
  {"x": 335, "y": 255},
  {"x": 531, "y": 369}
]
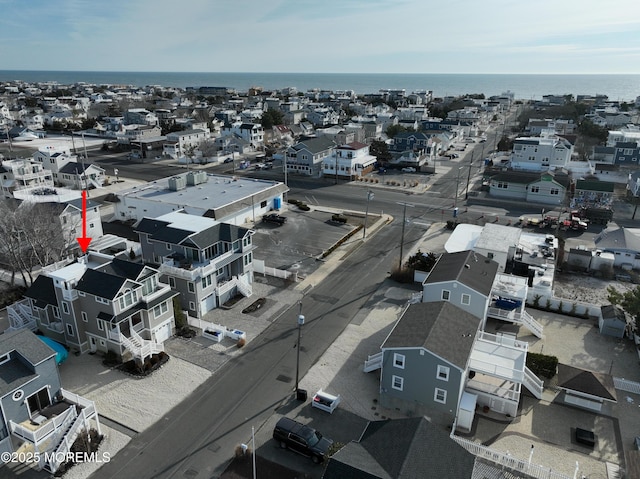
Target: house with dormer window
[
  {"x": 308, "y": 156},
  {"x": 99, "y": 303},
  {"x": 207, "y": 261}
]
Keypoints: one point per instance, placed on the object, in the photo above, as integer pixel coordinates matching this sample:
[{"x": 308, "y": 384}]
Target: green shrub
[{"x": 542, "y": 364}]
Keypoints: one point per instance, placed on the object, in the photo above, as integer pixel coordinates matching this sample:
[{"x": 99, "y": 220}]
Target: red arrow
[{"x": 83, "y": 241}]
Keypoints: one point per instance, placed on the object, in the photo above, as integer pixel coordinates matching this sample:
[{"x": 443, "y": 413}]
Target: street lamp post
[
  {"x": 366, "y": 213},
  {"x": 300, "y": 323},
  {"x": 404, "y": 221}
]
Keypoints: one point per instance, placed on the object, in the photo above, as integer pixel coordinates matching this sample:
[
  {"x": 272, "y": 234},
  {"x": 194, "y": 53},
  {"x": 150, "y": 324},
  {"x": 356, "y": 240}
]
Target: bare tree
[{"x": 31, "y": 236}]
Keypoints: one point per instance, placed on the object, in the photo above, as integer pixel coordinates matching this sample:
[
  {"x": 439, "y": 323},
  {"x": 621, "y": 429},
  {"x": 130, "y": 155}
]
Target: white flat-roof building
[{"x": 227, "y": 199}]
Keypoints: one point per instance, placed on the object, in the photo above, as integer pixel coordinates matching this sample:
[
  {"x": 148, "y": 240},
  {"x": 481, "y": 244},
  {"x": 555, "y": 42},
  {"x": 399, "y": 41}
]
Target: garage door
[
  {"x": 207, "y": 304},
  {"x": 163, "y": 333}
]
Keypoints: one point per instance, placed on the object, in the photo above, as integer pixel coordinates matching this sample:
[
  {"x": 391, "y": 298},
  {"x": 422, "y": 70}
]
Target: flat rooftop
[{"x": 216, "y": 193}]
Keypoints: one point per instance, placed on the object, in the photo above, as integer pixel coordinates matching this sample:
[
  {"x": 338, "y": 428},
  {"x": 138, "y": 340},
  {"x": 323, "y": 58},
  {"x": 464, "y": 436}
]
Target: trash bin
[{"x": 301, "y": 394}]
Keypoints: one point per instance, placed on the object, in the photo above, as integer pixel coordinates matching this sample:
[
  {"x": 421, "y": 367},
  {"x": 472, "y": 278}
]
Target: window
[
  {"x": 191, "y": 287},
  {"x": 100, "y": 325},
  {"x": 445, "y": 295},
  {"x": 81, "y": 294},
  {"x": 535, "y": 189},
  {"x": 160, "y": 309},
  {"x": 443, "y": 373},
  {"x": 65, "y": 307},
  {"x": 554, "y": 191},
  {"x": 440, "y": 396},
  {"x": 490, "y": 255},
  {"x": 466, "y": 299},
  {"x": 263, "y": 204},
  {"x": 84, "y": 317},
  {"x": 5, "y": 358},
  {"x": 101, "y": 300},
  {"x": 168, "y": 245},
  {"x": 172, "y": 282},
  {"x": 207, "y": 281},
  {"x": 397, "y": 383},
  {"x": 192, "y": 306},
  {"x": 69, "y": 330},
  {"x": 56, "y": 312},
  {"x": 398, "y": 360},
  {"x": 502, "y": 184}
]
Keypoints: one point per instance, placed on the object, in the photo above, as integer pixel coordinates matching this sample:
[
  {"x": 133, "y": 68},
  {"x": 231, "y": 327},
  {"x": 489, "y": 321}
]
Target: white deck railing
[
  {"x": 533, "y": 383},
  {"x": 36, "y": 437}
]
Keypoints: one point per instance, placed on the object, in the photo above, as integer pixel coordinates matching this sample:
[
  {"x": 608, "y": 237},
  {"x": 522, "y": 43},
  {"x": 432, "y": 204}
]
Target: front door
[{"x": 92, "y": 344}]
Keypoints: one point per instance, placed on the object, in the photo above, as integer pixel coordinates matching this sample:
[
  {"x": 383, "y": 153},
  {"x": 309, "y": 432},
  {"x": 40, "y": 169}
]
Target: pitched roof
[
  {"x": 315, "y": 145},
  {"x": 74, "y": 168},
  {"x": 587, "y": 382},
  {"x": 103, "y": 285},
  {"x": 42, "y": 291},
  {"x": 435, "y": 327},
  {"x": 467, "y": 267},
  {"x": 395, "y": 449},
  {"x": 595, "y": 185},
  {"x": 27, "y": 344},
  {"x": 122, "y": 268},
  {"x": 619, "y": 238}
]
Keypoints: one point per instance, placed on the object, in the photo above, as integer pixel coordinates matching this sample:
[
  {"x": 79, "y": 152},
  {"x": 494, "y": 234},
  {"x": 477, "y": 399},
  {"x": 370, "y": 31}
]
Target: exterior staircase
[
  {"x": 373, "y": 362},
  {"x": 20, "y": 316},
  {"x": 243, "y": 287},
  {"x": 522, "y": 318},
  {"x": 533, "y": 383},
  {"x": 140, "y": 348}
]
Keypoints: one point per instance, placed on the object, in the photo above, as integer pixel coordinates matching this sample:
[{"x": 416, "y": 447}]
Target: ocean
[{"x": 524, "y": 86}]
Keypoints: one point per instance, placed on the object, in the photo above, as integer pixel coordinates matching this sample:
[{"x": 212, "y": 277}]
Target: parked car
[
  {"x": 228, "y": 160},
  {"x": 274, "y": 218},
  {"x": 409, "y": 169},
  {"x": 305, "y": 440}
]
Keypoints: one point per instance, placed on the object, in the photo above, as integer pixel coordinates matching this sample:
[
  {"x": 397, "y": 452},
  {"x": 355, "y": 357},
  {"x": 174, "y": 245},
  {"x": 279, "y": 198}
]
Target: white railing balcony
[
  {"x": 159, "y": 291},
  {"x": 495, "y": 370},
  {"x": 494, "y": 390},
  {"x": 503, "y": 340},
  {"x": 40, "y": 434},
  {"x": 225, "y": 287},
  {"x": 86, "y": 404}
]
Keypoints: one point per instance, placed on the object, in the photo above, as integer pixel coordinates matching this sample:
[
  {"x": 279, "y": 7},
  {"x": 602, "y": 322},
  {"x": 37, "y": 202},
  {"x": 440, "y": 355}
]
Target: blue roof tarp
[{"x": 61, "y": 351}]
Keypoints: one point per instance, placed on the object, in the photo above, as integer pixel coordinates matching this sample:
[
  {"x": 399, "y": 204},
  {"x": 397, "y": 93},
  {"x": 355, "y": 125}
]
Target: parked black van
[{"x": 302, "y": 439}]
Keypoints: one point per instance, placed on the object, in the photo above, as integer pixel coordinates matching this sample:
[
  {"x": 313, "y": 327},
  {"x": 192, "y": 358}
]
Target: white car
[{"x": 409, "y": 169}]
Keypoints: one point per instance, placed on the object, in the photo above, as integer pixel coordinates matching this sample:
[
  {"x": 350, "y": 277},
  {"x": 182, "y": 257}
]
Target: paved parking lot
[{"x": 297, "y": 245}]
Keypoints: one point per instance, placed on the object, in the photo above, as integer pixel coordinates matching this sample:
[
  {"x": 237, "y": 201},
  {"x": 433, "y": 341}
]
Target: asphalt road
[{"x": 197, "y": 438}]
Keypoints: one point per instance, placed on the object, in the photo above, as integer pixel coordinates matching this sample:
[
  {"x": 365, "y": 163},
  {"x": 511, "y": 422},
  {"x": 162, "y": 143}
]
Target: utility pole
[
  {"x": 466, "y": 193},
  {"x": 300, "y": 323},
  {"x": 455, "y": 199},
  {"x": 366, "y": 213},
  {"x": 404, "y": 221}
]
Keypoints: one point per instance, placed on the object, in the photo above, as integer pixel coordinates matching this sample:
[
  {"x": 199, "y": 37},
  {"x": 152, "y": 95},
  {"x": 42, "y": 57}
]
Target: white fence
[
  {"x": 626, "y": 385},
  {"x": 513, "y": 463},
  {"x": 261, "y": 268},
  {"x": 564, "y": 305}
]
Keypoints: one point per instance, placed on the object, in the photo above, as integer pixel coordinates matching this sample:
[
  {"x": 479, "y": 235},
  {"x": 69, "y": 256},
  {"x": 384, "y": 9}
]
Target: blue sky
[{"x": 345, "y": 36}]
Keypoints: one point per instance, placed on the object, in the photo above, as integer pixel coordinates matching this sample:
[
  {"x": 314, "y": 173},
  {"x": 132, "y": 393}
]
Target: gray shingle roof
[
  {"x": 27, "y": 344},
  {"x": 401, "y": 449},
  {"x": 100, "y": 284},
  {"x": 42, "y": 290},
  {"x": 467, "y": 267},
  {"x": 436, "y": 327},
  {"x": 587, "y": 382}
]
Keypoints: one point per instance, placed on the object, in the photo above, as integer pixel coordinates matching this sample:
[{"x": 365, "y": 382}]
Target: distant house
[
  {"x": 624, "y": 243},
  {"x": 349, "y": 161},
  {"x": 179, "y": 143},
  {"x": 23, "y": 176},
  {"x": 549, "y": 188},
  {"x": 541, "y": 153},
  {"x": 36, "y": 414},
  {"x": 593, "y": 192},
  {"x": 308, "y": 156},
  {"x": 627, "y": 154},
  {"x": 633, "y": 185}
]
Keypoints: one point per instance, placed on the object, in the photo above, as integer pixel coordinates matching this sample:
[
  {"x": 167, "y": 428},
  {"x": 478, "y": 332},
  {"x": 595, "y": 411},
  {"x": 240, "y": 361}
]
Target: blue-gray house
[{"x": 36, "y": 414}]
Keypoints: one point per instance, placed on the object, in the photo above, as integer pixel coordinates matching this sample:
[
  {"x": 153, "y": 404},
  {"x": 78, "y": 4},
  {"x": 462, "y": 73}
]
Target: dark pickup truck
[{"x": 274, "y": 218}]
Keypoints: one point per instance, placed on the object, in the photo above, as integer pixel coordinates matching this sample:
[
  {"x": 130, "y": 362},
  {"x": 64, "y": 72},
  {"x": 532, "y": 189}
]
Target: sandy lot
[{"x": 586, "y": 288}]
